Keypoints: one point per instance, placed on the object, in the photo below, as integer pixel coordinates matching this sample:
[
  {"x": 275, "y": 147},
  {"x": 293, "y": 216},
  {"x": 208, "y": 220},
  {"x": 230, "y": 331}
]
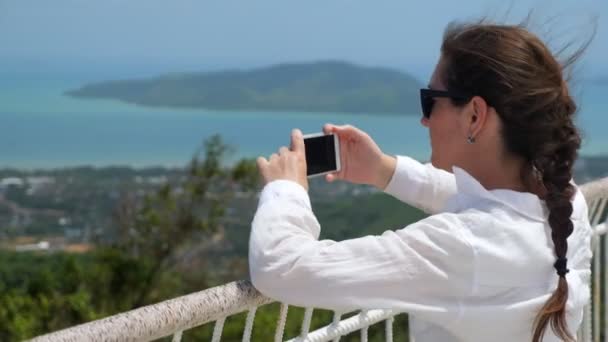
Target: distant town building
[
  {"x": 40, "y": 246},
  {"x": 11, "y": 181}
]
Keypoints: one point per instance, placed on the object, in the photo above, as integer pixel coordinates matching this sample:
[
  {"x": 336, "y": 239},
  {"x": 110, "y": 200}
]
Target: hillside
[{"x": 313, "y": 87}]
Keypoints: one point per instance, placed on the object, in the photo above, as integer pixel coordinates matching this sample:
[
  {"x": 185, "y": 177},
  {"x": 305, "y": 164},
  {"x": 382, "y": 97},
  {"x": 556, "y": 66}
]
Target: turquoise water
[{"x": 40, "y": 127}]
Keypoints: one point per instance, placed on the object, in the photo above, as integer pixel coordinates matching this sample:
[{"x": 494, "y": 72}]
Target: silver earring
[{"x": 470, "y": 140}]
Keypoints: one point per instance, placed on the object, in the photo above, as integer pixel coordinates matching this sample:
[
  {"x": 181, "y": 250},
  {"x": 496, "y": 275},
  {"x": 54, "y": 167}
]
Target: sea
[{"x": 41, "y": 128}]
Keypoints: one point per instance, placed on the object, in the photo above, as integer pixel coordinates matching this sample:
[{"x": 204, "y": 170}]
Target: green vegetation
[
  {"x": 162, "y": 239},
  {"x": 158, "y": 233},
  {"x": 161, "y": 233},
  {"x": 314, "y": 87},
  {"x": 41, "y": 293}
]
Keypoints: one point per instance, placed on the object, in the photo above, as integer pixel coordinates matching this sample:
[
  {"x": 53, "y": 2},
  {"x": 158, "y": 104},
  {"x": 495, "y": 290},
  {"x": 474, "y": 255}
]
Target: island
[{"x": 327, "y": 86}]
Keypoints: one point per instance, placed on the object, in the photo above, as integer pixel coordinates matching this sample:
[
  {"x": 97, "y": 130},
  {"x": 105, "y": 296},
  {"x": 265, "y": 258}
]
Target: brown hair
[{"x": 517, "y": 75}]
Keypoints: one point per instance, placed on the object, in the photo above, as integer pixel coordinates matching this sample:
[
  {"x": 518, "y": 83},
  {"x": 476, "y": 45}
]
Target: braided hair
[{"x": 519, "y": 77}]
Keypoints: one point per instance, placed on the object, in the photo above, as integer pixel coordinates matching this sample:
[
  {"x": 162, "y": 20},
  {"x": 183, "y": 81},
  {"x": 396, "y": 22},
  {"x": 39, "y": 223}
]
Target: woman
[{"x": 505, "y": 255}]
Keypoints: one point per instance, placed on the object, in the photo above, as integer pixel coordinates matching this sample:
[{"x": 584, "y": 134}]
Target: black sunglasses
[{"x": 427, "y": 98}]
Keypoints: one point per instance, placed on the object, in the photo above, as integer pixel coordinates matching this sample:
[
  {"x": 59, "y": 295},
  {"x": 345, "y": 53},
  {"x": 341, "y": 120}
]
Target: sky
[{"x": 136, "y": 38}]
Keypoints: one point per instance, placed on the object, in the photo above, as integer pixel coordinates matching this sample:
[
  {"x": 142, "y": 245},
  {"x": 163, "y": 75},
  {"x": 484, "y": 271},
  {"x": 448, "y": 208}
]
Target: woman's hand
[
  {"x": 361, "y": 159},
  {"x": 289, "y": 164}
]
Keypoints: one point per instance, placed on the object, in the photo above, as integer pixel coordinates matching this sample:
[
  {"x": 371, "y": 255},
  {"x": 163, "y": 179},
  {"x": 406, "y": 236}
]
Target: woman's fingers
[
  {"x": 286, "y": 163},
  {"x": 352, "y": 130},
  {"x": 262, "y": 162},
  {"x": 297, "y": 141},
  {"x": 330, "y": 177},
  {"x": 331, "y": 128},
  {"x": 328, "y": 128},
  {"x": 343, "y": 131}
]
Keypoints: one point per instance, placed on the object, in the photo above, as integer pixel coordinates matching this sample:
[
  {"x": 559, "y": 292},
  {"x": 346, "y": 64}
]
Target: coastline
[{"x": 594, "y": 166}]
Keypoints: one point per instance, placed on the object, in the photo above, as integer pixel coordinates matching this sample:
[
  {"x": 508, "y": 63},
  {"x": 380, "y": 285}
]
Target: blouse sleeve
[
  {"x": 421, "y": 185},
  {"x": 424, "y": 268}
]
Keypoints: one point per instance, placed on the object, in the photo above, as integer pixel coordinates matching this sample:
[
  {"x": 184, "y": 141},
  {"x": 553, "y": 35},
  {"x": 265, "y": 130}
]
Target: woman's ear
[{"x": 478, "y": 116}]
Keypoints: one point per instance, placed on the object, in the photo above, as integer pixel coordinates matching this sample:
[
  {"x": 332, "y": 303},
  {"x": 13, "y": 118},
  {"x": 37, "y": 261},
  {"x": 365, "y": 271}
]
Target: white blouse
[{"x": 478, "y": 269}]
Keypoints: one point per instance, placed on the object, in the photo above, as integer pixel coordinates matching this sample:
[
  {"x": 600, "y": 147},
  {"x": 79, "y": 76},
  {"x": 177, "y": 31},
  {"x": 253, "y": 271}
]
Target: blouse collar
[{"x": 525, "y": 203}]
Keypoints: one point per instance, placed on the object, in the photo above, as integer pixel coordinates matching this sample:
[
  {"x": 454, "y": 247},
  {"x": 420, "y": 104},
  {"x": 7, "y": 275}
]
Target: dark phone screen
[{"x": 320, "y": 154}]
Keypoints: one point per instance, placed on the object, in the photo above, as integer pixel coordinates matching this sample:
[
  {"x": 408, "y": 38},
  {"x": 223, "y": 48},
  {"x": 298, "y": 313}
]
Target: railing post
[
  {"x": 249, "y": 324},
  {"x": 217, "y": 329},
  {"x": 389, "y": 329},
  {"x": 278, "y": 336},
  {"x": 605, "y": 271}
]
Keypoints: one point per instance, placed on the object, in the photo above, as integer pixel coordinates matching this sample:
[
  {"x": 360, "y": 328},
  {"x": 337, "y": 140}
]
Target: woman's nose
[{"x": 424, "y": 122}]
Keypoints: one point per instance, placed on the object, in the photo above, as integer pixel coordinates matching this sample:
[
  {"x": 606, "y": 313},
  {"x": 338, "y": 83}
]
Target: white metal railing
[
  {"x": 593, "y": 327},
  {"x": 173, "y": 316}
]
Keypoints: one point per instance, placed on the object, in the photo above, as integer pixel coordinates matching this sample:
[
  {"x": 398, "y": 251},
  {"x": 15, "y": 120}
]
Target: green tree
[{"x": 157, "y": 228}]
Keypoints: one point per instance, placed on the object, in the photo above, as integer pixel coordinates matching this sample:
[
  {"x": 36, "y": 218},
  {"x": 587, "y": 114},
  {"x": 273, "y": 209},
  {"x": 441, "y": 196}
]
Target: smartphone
[{"x": 322, "y": 154}]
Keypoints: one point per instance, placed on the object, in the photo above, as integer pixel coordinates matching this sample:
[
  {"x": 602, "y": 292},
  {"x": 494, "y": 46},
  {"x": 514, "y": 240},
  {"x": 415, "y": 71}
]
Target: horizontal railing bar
[
  {"x": 346, "y": 326},
  {"x": 165, "y": 318}
]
